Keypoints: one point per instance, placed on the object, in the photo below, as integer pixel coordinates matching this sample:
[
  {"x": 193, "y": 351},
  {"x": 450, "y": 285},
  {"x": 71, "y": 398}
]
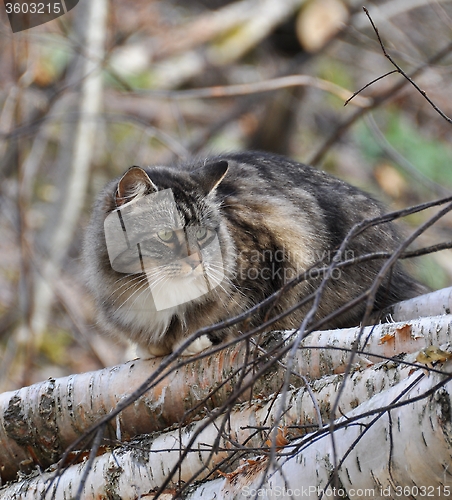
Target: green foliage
[
  {"x": 140, "y": 80},
  {"x": 55, "y": 344},
  {"x": 431, "y": 273},
  {"x": 338, "y": 74},
  {"x": 431, "y": 157},
  {"x": 366, "y": 142}
]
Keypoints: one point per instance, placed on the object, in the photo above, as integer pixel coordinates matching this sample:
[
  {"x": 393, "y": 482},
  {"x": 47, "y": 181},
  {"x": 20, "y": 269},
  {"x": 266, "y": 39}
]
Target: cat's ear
[
  {"x": 210, "y": 175},
  {"x": 135, "y": 182}
]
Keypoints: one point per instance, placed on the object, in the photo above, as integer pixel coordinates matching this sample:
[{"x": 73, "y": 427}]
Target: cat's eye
[
  {"x": 201, "y": 233},
  {"x": 166, "y": 235}
]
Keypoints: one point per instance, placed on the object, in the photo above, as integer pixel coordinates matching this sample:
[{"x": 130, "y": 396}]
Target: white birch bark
[
  {"x": 387, "y": 339},
  {"x": 38, "y": 422},
  {"x": 406, "y": 454},
  {"x": 431, "y": 304},
  {"x": 409, "y": 448}
]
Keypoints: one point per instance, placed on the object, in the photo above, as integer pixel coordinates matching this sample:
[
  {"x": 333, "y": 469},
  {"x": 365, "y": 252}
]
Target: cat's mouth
[{"x": 190, "y": 283}]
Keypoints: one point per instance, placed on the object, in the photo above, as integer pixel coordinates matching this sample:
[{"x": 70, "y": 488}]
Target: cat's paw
[
  {"x": 151, "y": 351},
  {"x": 198, "y": 345}
]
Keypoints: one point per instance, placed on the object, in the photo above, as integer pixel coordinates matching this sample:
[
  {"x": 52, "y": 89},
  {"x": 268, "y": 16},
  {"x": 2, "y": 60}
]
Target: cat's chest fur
[{"x": 172, "y": 249}]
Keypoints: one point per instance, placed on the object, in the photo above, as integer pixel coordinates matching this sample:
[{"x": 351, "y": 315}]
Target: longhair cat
[{"x": 171, "y": 249}]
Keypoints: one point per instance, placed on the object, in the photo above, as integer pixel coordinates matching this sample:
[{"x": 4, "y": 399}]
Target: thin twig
[
  {"x": 255, "y": 88},
  {"x": 400, "y": 70},
  {"x": 403, "y": 162},
  {"x": 378, "y": 100}
]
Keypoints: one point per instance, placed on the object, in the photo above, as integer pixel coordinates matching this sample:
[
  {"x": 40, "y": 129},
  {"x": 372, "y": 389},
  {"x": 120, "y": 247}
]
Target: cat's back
[
  {"x": 275, "y": 173},
  {"x": 260, "y": 176}
]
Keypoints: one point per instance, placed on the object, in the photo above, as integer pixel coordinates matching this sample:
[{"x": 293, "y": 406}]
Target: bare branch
[
  {"x": 400, "y": 70},
  {"x": 410, "y": 398},
  {"x": 321, "y": 354},
  {"x": 257, "y": 87},
  {"x": 378, "y": 100}
]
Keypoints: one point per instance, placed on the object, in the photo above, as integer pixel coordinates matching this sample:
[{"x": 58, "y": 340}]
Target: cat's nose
[{"x": 194, "y": 260}]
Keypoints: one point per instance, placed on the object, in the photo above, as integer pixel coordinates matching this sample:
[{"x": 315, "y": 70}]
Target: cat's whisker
[
  {"x": 218, "y": 276},
  {"x": 227, "y": 291},
  {"x": 156, "y": 276},
  {"x": 132, "y": 279},
  {"x": 157, "y": 271},
  {"x": 136, "y": 292},
  {"x": 158, "y": 284},
  {"x": 139, "y": 296},
  {"x": 123, "y": 278},
  {"x": 126, "y": 279},
  {"x": 137, "y": 285},
  {"x": 128, "y": 303}
]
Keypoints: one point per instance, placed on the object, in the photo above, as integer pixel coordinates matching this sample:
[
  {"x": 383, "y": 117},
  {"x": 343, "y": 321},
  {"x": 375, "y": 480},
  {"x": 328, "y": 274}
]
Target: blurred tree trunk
[
  {"x": 76, "y": 152},
  {"x": 276, "y": 124}
]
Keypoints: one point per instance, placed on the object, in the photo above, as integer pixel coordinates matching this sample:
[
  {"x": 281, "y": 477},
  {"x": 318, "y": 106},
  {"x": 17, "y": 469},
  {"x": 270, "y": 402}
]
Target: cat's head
[{"x": 163, "y": 229}]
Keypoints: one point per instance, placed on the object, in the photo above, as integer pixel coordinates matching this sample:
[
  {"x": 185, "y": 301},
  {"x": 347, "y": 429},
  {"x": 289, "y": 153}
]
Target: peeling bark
[
  {"x": 405, "y": 454},
  {"x": 37, "y": 423},
  {"x": 414, "y": 448}
]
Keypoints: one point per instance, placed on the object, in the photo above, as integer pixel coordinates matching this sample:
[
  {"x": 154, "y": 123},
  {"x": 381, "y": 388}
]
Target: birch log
[
  {"x": 405, "y": 454},
  {"x": 406, "y": 448},
  {"x": 431, "y": 304},
  {"x": 37, "y": 423}
]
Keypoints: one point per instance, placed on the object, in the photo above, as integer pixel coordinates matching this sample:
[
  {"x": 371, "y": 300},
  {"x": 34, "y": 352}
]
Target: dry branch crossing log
[
  {"x": 405, "y": 454},
  {"x": 37, "y": 423},
  {"x": 381, "y": 451}
]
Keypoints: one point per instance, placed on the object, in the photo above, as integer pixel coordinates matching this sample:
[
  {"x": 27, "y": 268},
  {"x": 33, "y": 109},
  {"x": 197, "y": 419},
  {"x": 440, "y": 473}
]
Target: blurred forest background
[{"x": 113, "y": 84}]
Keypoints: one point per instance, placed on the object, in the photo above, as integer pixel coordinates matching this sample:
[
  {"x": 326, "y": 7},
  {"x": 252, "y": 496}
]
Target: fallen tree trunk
[
  {"x": 413, "y": 446},
  {"x": 404, "y": 454},
  {"x": 432, "y": 304},
  {"x": 39, "y": 422}
]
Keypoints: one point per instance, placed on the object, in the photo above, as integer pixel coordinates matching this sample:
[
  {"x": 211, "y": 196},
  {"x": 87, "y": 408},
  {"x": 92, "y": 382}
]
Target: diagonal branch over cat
[{"x": 171, "y": 249}]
